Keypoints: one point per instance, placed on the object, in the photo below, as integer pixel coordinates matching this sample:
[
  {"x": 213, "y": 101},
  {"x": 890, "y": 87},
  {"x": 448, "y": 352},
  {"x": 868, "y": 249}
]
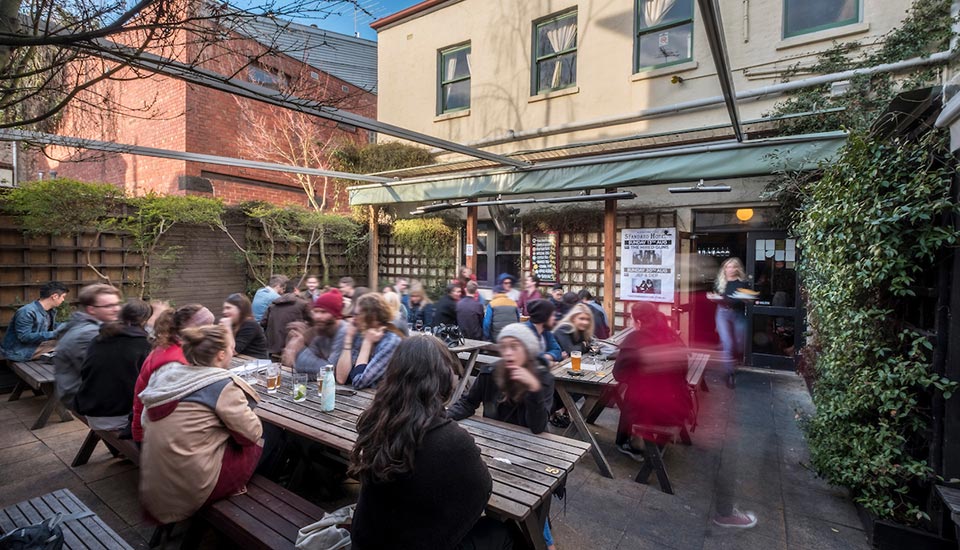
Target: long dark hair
[
  {"x": 242, "y": 303},
  {"x": 134, "y": 314},
  {"x": 418, "y": 382}
]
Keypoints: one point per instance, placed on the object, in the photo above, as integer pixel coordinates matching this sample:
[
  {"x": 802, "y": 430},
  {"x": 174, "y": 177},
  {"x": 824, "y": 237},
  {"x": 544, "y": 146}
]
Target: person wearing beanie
[
  {"x": 507, "y": 281},
  {"x": 309, "y": 349},
  {"x": 518, "y": 389},
  {"x": 500, "y": 311},
  {"x": 541, "y": 323}
]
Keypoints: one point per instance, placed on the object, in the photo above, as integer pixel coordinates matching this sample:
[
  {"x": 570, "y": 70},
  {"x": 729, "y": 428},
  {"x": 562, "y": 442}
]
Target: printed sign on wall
[
  {"x": 648, "y": 264},
  {"x": 544, "y": 251}
]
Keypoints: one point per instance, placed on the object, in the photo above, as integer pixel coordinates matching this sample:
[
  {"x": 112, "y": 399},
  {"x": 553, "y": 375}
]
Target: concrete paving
[{"x": 751, "y": 431}]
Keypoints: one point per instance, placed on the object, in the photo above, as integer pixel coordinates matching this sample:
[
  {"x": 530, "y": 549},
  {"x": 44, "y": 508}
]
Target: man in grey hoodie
[{"x": 98, "y": 304}]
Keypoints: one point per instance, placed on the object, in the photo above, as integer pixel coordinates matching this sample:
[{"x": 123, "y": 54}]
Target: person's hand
[
  {"x": 351, "y": 332},
  {"x": 346, "y": 303},
  {"x": 564, "y": 355},
  {"x": 523, "y": 376},
  {"x": 548, "y": 360},
  {"x": 295, "y": 340},
  {"x": 373, "y": 335},
  {"x": 226, "y": 323}
]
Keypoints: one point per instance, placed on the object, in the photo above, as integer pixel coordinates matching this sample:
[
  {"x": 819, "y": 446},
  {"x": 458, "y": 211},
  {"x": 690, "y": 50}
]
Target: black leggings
[{"x": 487, "y": 534}]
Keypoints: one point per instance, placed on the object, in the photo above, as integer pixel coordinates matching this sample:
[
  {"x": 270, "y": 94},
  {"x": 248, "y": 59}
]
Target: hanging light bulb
[{"x": 744, "y": 214}]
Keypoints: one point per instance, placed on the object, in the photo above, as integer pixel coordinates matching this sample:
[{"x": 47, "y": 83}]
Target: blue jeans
[{"x": 732, "y": 328}]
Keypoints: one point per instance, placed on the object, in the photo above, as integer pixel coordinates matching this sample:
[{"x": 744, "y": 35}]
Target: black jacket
[
  {"x": 470, "y": 318},
  {"x": 569, "y": 341},
  {"x": 432, "y": 507},
  {"x": 250, "y": 340},
  {"x": 531, "y": 412},
  {"x": 446, "y": 312},
  {"x": 109, "y": 373}
]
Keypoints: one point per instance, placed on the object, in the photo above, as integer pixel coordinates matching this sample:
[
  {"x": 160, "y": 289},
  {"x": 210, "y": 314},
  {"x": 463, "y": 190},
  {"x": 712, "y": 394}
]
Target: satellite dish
[{"x": 505, "y": 219}]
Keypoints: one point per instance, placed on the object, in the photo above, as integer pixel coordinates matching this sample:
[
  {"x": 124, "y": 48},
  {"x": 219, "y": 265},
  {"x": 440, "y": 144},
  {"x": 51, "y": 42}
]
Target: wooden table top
[
  {"x": 561, "y": 373},
  {"x": 470, "y": 345},
  {"x": 526, "y": 468},
  {"x": 80, "y": 534}
]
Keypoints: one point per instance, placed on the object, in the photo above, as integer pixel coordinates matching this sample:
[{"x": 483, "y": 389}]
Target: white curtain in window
[
  {"x": 561, "y": 37},
  {"x": 655, "y": 10},
  {"x": 451, "y": 68},
  {"x": 469, "y": 71}
]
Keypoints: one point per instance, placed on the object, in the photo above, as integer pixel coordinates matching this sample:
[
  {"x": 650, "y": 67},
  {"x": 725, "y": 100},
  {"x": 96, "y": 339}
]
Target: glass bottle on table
[{"x": 328, "y": 395}]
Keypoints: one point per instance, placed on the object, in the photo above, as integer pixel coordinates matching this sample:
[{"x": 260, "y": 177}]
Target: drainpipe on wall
[{"x": 15, "y": 180}]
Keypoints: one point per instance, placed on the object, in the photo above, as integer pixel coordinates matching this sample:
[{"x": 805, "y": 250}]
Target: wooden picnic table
[
  {"x": 472, "y": 347},
  {"x": 38, "y": 376},
  {"x": 85, "y": 532},
  {"x": 593, "y": 385},
  {"x": 526, "y": 468}
]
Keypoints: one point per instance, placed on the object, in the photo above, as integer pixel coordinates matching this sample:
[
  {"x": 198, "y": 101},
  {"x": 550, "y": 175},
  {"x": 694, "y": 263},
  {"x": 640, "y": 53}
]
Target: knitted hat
[
  {"x": 525, "y": 334},
  {"x": 540, "y": 311},
  {"x": 330, "y": 301}
]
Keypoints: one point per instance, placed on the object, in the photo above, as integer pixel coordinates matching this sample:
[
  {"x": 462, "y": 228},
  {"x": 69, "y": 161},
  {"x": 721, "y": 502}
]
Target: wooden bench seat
[
  {"x": 653, "y": 452},
  {"x": 38, "y": 376},
  {"x": 87, "y": 531},
  {"x": 266, "y": 517},
  {"x": 696, "y": 368},
  {"x": 126, "y": 447}
]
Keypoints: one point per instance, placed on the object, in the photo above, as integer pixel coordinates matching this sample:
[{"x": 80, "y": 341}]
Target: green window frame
[
  {"x": 554, "y": 57},
  {"x": 446, "y": 83},
  {"x": 855, "y": 18},
  {"x": 660, "y": 29}
]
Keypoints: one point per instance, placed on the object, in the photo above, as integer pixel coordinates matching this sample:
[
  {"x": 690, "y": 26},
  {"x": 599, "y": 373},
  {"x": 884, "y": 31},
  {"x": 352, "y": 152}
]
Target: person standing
[
  {"x": 98, "y": 304},
  {"x": 446, "y": 311},
  {"x": 34, "y": 330},
  {"x": 400, "y": 287},
  {"x": 266, "y": 295},
  {"x": 470, "y": 314},
  {"x": 506, "y": 281},
  {"x": 110, "y": 370},
  {"x": 529, "y": 294},
  {"x": 248, "y": 337},
  {"x": 500, "y": 312},
  {"x": 312, "y": 290},
  {"x": 731, "y": 316},
  {"x": 288, "y": 308}
]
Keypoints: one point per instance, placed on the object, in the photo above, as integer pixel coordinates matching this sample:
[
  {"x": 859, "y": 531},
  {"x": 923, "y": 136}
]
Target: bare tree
[{"x": 52, "y": 52}]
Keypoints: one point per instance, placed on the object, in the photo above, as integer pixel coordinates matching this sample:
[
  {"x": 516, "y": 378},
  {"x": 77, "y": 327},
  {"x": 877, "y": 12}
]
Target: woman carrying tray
[{"x": 732, "y": 291}]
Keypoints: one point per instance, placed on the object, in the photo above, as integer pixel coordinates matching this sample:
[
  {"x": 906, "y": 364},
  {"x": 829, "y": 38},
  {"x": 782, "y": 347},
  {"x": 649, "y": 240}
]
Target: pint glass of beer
[
  {"x": 575, "y": 360},
  {"x": 273, "y": 378}
]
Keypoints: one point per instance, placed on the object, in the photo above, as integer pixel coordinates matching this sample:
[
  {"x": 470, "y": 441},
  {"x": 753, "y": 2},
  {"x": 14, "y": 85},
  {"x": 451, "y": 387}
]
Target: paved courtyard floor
[{"x": 752, "y": 431}]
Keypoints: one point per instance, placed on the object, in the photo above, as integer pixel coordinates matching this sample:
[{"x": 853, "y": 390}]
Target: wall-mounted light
[
  {"x": 744, "y": 214},
  {"x": 701, "y": 188}
]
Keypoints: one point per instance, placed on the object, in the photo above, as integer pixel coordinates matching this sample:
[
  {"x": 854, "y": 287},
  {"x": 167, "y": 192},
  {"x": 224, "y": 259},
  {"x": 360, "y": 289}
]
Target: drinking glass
[
  {"x": 273, "y": 378},
  {"x": 575, "y": 360},
  {"x": 299, "y": 387}
]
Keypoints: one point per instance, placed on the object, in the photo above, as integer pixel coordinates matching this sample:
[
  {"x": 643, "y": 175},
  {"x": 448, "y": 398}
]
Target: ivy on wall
[{"x": 869, "y": 228}]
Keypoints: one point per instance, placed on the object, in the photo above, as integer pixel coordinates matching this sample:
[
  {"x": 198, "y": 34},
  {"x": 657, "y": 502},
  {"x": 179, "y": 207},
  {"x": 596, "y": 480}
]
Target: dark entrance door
[
  {"x": 775, "y": 320},
  {"x": 496, "y": 254}
]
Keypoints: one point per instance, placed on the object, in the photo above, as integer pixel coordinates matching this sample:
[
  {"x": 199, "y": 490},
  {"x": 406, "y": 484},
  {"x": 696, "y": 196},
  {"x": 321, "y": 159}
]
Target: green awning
[{"x": 687, "y": 164}]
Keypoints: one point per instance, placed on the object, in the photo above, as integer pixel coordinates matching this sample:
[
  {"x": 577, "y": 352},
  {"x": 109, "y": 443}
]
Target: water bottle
[{"x": 328, "y": 401}]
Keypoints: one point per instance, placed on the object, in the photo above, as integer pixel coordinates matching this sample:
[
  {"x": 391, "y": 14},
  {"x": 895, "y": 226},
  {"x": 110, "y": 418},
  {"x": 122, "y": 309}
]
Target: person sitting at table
[
  {"x": 34, "y": 330},
  {"x": 166, "y": 349},
  {"x": 247, "y": 335},
  {"x": 408, "y": 454},
  {"x": 420, "y": 312},
  {"x": 651, "y": 368},
  {"x": 370, "y": 342},
  {"x": 518, "y": 389},
  {"x": 575, "y": 330},
  {"x": 288, "y": 308},
  {"x": 111, "y": 368},
  {"x": 309, "y": 349},
  {"x": 399, "y": 312},
  {"x": 446, "y": 311},
  {"x": 541, "y": 323},
  {"x": 201, "y": 436}
]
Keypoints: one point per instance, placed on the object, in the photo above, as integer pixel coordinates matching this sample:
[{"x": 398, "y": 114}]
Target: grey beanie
[{"x": 523, "y": 332}]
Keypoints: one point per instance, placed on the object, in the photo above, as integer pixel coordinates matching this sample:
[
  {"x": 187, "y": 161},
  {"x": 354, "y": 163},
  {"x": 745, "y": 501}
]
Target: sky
[{"x": 344, "y": 22}]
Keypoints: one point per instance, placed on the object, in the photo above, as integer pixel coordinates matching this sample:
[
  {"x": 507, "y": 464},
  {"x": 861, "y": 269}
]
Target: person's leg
[
  {"x": 727, "y": 334},
  {"x": 740, "y": 335},
  {"x": 487, "y": 534}
]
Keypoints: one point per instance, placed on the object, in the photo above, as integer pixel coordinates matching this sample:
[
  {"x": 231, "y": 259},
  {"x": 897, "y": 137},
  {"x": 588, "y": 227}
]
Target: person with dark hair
[
  {"x": 529, "y": 293},
  {"x": 288, "y": 308},
  {"x": 313, "y": 348},
  {"x": 601, "y": 325},
  {"x": 312, "y": 290},
  {"x": 248, "y": 337},
  {"x": 470, "y": 314},
  {"x": 370, "y": 342},
  {"x": 98, "y": 304},
  {"x": 202, "y": 439},
  {"x": 110, "y": 370},
  {"x": 351, "y": 294},
  {"x": 34, "y": 330},
  {"x": 166, "y": 349},
  {"x": 266, "y": 295},
  {"x": 446, "y": 311},
  {"x": 423, "y": 484},
  {"x": 541, "y": 322}
]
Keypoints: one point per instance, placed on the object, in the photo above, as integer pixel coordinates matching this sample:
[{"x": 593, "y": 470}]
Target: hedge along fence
[
  {"x": 873, "y": 228},
  {"x": 423, "y": 249}
]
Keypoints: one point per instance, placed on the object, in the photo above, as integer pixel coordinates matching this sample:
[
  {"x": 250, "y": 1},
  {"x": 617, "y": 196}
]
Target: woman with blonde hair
[
  {"x": 398, "y": 310},
  {"x": 731, "y": 314},
  {"x": 575, "y": 330},
  {"x": 369, "y": 344},
  {"x": 201, "y": 437},
  {"x": 421, "y": 307}
]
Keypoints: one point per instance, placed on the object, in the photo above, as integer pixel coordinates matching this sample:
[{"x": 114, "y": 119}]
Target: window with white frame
[
  {"x": 806, "y": 16},
  {"x": 664, "y": 33},
  {"x": 555, "y": 53},
  {"x": 454, "y": 93}
]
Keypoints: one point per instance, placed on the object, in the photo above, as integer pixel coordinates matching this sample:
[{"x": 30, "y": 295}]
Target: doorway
[
  {"x": 496, "y": 253},
  {"x": 775, "y": 320}
]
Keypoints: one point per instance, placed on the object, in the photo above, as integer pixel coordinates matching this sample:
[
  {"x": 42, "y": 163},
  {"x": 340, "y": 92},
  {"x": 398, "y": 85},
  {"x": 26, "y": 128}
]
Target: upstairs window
[
  {"x": 454, "y": 79},
  {"x": 806, "y": 16},
  {"x": 265, "y": 77},
  {"x": 555, "y": 53},
  {"x": 664, "y": 33}
]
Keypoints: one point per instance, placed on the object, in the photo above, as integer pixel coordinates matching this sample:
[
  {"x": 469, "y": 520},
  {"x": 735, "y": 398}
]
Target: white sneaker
[
  {"x": 628, "y": 450},
  {"x": 737, "y": 520}
]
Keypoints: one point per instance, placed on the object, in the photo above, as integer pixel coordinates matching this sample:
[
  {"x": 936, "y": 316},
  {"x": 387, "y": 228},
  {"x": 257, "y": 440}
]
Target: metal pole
[{"x": 713, "y": 25}]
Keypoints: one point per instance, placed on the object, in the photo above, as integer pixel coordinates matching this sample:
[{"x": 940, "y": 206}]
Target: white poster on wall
[{"x": 648, "y": 264}]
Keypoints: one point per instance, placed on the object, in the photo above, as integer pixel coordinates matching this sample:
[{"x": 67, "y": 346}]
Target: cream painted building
[{"x": 619, "y": 95}]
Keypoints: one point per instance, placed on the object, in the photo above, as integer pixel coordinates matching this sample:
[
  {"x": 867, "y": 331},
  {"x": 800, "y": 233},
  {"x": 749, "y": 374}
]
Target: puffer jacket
[{"x": 501, "y": 311}]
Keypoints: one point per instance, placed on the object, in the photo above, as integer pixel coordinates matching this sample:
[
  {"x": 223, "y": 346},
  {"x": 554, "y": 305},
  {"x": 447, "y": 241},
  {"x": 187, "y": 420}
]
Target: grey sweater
[{"x": 71, "y": 352}]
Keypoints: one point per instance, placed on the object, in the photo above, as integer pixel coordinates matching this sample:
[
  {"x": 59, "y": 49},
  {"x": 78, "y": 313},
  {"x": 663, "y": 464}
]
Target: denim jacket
[{"x": 31, "y": 325}]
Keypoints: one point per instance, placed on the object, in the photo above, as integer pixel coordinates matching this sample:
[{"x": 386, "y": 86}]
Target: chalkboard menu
[{"x": 544, "y": 250}]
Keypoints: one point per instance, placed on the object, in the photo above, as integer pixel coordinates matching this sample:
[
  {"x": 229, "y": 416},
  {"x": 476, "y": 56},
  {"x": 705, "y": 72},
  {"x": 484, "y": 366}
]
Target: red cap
[{"x": 330, "y": 301}]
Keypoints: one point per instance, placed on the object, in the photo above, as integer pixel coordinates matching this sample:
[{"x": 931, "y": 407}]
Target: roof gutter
[
  {"x": 713, "y": 25},
  {"x": 756, "y": 93}
]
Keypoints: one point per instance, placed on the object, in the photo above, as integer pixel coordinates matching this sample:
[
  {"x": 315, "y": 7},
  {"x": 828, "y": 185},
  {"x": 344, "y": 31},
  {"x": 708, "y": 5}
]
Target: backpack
[
  {"x": 46, "y": 535},
  {"x": 449, "y": 334}
]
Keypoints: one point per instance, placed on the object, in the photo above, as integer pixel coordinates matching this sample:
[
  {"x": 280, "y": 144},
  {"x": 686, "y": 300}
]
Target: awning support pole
[
  {"x": 609, "y": 258},
  {"x": 373, "y": 264},
  {"x": 472, "y": 212}
]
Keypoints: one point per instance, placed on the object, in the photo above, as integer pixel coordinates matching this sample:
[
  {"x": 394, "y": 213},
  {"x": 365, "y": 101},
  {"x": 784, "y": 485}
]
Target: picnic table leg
[
  {"x": 86, "y": 449},
  {"x": 17, "y": 391},
  {"x": 584, "y": 430},
  {"x": 533, "y": 525},
  {"x": 467, "y": 371},
  {"x": 589, "y": 403},
  {"x": 52, "y": 404}
]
